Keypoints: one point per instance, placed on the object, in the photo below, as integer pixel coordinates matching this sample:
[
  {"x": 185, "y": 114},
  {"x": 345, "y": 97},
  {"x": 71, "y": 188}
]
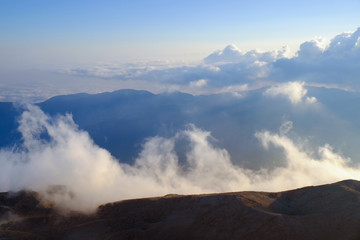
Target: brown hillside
[{"x": 321, "y": 212}]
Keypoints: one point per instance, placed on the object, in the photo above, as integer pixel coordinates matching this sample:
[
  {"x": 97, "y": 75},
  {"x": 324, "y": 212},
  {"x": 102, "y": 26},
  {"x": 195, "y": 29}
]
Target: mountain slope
[{"x": 321, "y": 212}]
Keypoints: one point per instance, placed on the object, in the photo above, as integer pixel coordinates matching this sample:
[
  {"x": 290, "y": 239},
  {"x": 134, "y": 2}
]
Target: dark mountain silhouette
[{"x": 321, "y": 212}]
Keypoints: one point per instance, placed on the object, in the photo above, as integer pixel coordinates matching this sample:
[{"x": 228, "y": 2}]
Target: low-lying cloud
[
  {"x": 62, "y": 163},
  {"x": 294, "y": 91}
]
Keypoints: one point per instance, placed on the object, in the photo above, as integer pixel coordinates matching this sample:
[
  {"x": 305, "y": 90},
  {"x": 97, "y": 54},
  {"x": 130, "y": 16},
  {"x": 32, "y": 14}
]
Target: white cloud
[
  {"x": 302, "y": 168},
  {"x": 357, "y": 44},
  {"x": 238, "y": 91},
  {"x": 258, "y": 70},
  {"x": 232, "y": 54},
  {"x": 312, "y": 49},
  {"x": 198, "y": 84},
  {"x": 70, "y": 170},
  {"x": 333, "y": 63},
  {"x": 294, "y": 91},
  {"x": 343, "y": 45},
  {"x": 310, "y": 100}
]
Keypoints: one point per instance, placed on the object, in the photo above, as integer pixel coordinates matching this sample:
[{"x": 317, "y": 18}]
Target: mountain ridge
[
  {"x": 316, "y": 212},
  {"x": 121, "y": 121}
]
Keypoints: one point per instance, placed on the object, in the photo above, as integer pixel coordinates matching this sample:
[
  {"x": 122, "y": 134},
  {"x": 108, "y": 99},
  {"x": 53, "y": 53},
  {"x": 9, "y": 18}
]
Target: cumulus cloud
[
  {"x": 343, "y": 46},
  {"x": 232, "y": 54},
  {"x": 334, "y": 64},
  {"x": 312, "y": 49},
  {"x": 68, "y": 169},
  {"x": 317, "y": 61},
  {"x": 294, "y": 91},
  {"x": 329, "y": 63}
]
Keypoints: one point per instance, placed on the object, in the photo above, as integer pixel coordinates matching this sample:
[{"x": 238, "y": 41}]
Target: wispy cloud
[{"x": 70, "y": 170}]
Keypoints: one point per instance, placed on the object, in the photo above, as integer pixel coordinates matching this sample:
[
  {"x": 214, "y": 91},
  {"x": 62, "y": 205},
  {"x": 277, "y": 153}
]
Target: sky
[{"x": 64, "y": 32}]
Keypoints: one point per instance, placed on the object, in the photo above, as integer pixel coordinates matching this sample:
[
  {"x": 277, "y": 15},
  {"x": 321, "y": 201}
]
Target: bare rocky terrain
[{"x": 321, "y": 212}]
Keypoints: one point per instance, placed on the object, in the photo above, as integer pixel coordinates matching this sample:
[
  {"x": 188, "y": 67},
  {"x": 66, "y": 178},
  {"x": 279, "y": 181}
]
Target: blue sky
[{"x": 78, "y": 31}]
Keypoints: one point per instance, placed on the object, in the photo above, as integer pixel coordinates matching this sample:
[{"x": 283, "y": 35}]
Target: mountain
[
  {"x": 8, "y": 124},
  {"x": 121, "y": 121},
  {"x": 320, "y": 212}
]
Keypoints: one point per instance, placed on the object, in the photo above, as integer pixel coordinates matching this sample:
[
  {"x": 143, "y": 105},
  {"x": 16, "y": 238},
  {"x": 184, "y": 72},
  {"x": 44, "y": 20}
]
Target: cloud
[
  {"x": 344, "y": 45},
  {"x": 232, "y": 54},
  {"x": 330, "y": 63},
  {"x": 302, "y": 167},
  {"x": 312, "y": 49},
  {"x": 294, "y": 91},
  {"x": 198, "y": 84},
  {"x": 238, "y": 91},
  {"x": 68, "y": 169},
  {"x": 334, "y": 63},
  {"x": 258, "y": 70},
  {"x": 220, "y": 69}
]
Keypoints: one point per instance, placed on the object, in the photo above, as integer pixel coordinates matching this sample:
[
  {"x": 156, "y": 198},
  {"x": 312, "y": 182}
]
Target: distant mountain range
[
  {"x": 321, "y": 212},
  {"x": 121, "y": 121}
]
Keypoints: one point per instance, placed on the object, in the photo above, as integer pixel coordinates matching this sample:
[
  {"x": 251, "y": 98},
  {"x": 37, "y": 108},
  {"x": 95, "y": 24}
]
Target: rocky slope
[{"x": 321, "y": 212}]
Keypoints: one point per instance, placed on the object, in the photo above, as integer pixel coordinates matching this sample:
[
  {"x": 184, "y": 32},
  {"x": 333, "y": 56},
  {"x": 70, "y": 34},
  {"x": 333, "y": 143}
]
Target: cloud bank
[
  {"x": 333, "y": 63},
  {"x": 68, "y": 169},
  {"x": 232, "y": 54}
]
